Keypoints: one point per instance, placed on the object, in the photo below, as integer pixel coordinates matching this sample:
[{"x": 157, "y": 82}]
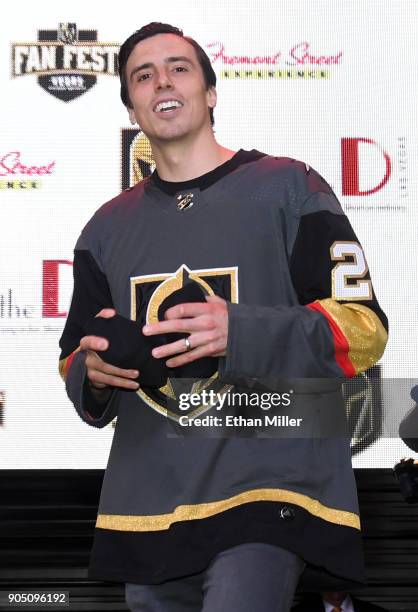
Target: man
[
  {"x": 217, "y": 523},
  {"x": 335, "y": 602},
  {"x": 408, "y": 428}
]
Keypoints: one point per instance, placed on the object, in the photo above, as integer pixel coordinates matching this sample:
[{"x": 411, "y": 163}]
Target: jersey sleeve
[
  {"x": 91, "y": 293},
  {"x": 331, "y": 276},
  {"x": 337, "y": 330}
]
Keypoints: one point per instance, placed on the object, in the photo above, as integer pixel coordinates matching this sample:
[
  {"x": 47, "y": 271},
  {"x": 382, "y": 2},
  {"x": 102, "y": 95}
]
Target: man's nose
[{"x": 163, "y": 80}]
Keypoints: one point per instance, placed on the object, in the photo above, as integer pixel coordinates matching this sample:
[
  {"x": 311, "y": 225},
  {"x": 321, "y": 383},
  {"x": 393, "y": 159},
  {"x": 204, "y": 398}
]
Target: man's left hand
[{"x": 207, "y": 324}]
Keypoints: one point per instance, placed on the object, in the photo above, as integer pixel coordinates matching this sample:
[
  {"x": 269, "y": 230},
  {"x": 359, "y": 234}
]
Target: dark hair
[{"x": 151, "y": 30}]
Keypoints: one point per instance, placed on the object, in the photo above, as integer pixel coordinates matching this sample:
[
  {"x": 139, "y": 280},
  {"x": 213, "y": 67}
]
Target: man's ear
[
  {"x": 211, "y": 96},
  {"x": 131, "y": 114}
]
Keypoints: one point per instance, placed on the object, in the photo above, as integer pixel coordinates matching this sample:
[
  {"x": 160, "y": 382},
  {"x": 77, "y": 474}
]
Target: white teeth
[{"x": 168, "y": 104}]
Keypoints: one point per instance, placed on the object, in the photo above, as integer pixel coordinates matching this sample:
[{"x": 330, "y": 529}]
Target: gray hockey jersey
[{"x": 269, "y": 236}]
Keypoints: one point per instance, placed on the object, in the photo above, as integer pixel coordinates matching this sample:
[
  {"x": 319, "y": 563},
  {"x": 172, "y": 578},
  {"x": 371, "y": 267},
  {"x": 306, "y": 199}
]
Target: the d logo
[{"x": 350, "y": 166}]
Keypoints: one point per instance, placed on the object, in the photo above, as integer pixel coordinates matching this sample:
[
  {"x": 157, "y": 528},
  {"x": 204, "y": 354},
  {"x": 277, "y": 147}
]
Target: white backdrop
[{"x": 294, "y": 79}]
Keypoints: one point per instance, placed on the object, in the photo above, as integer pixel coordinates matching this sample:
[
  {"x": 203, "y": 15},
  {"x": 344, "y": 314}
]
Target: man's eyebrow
[
  {"x": 168, "y": 60},
  {"x": 178, "y": 58}
]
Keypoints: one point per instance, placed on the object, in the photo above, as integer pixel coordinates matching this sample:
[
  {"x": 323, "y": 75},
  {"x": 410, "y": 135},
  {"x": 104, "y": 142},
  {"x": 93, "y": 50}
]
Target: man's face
[{"x": 167, "y": 89}]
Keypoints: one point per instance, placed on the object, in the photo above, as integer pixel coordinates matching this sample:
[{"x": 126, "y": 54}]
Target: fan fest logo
[{"x": 66, "y": 61}]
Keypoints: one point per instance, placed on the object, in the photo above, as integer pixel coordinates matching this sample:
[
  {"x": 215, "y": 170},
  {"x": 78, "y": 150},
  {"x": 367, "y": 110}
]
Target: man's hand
[
  {"x": 207, "y": 325},
  {"x": 100, "y": 373}
]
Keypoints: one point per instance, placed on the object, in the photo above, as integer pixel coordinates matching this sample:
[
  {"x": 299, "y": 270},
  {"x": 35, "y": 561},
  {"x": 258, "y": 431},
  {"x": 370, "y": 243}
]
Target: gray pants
[{"x": 246, "y": 578}]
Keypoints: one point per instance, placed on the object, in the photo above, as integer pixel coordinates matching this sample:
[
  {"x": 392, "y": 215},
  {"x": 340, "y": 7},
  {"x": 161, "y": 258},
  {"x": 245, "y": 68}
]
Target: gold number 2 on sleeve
[{"x": 360, "y": 290}]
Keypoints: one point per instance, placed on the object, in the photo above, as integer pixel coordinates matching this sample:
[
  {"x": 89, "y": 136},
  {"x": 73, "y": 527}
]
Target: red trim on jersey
[
  {"x": 69, "y": 362},
  {"x": 341, "y": 345}
]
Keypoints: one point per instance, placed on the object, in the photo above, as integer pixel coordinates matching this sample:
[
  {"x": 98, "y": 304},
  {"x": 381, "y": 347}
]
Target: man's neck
[{"x": 183, "y": 161}]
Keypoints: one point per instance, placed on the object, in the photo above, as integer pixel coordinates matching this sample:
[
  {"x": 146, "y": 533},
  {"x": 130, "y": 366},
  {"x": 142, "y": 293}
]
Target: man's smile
[{"x": 167, "y": 106}]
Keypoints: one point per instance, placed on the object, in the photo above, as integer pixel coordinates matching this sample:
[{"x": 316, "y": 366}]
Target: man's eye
[
  {"x": 180, "y": 69},
  {"x": 144, "y": 76}
]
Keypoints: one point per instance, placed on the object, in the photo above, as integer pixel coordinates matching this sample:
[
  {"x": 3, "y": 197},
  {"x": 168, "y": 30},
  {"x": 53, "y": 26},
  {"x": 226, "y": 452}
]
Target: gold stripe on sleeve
[{"x": 363, "y": 329}]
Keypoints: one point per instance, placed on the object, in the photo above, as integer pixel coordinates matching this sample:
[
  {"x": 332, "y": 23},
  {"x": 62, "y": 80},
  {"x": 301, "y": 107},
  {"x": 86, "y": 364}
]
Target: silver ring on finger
[{"x": 188, "y": 345}]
